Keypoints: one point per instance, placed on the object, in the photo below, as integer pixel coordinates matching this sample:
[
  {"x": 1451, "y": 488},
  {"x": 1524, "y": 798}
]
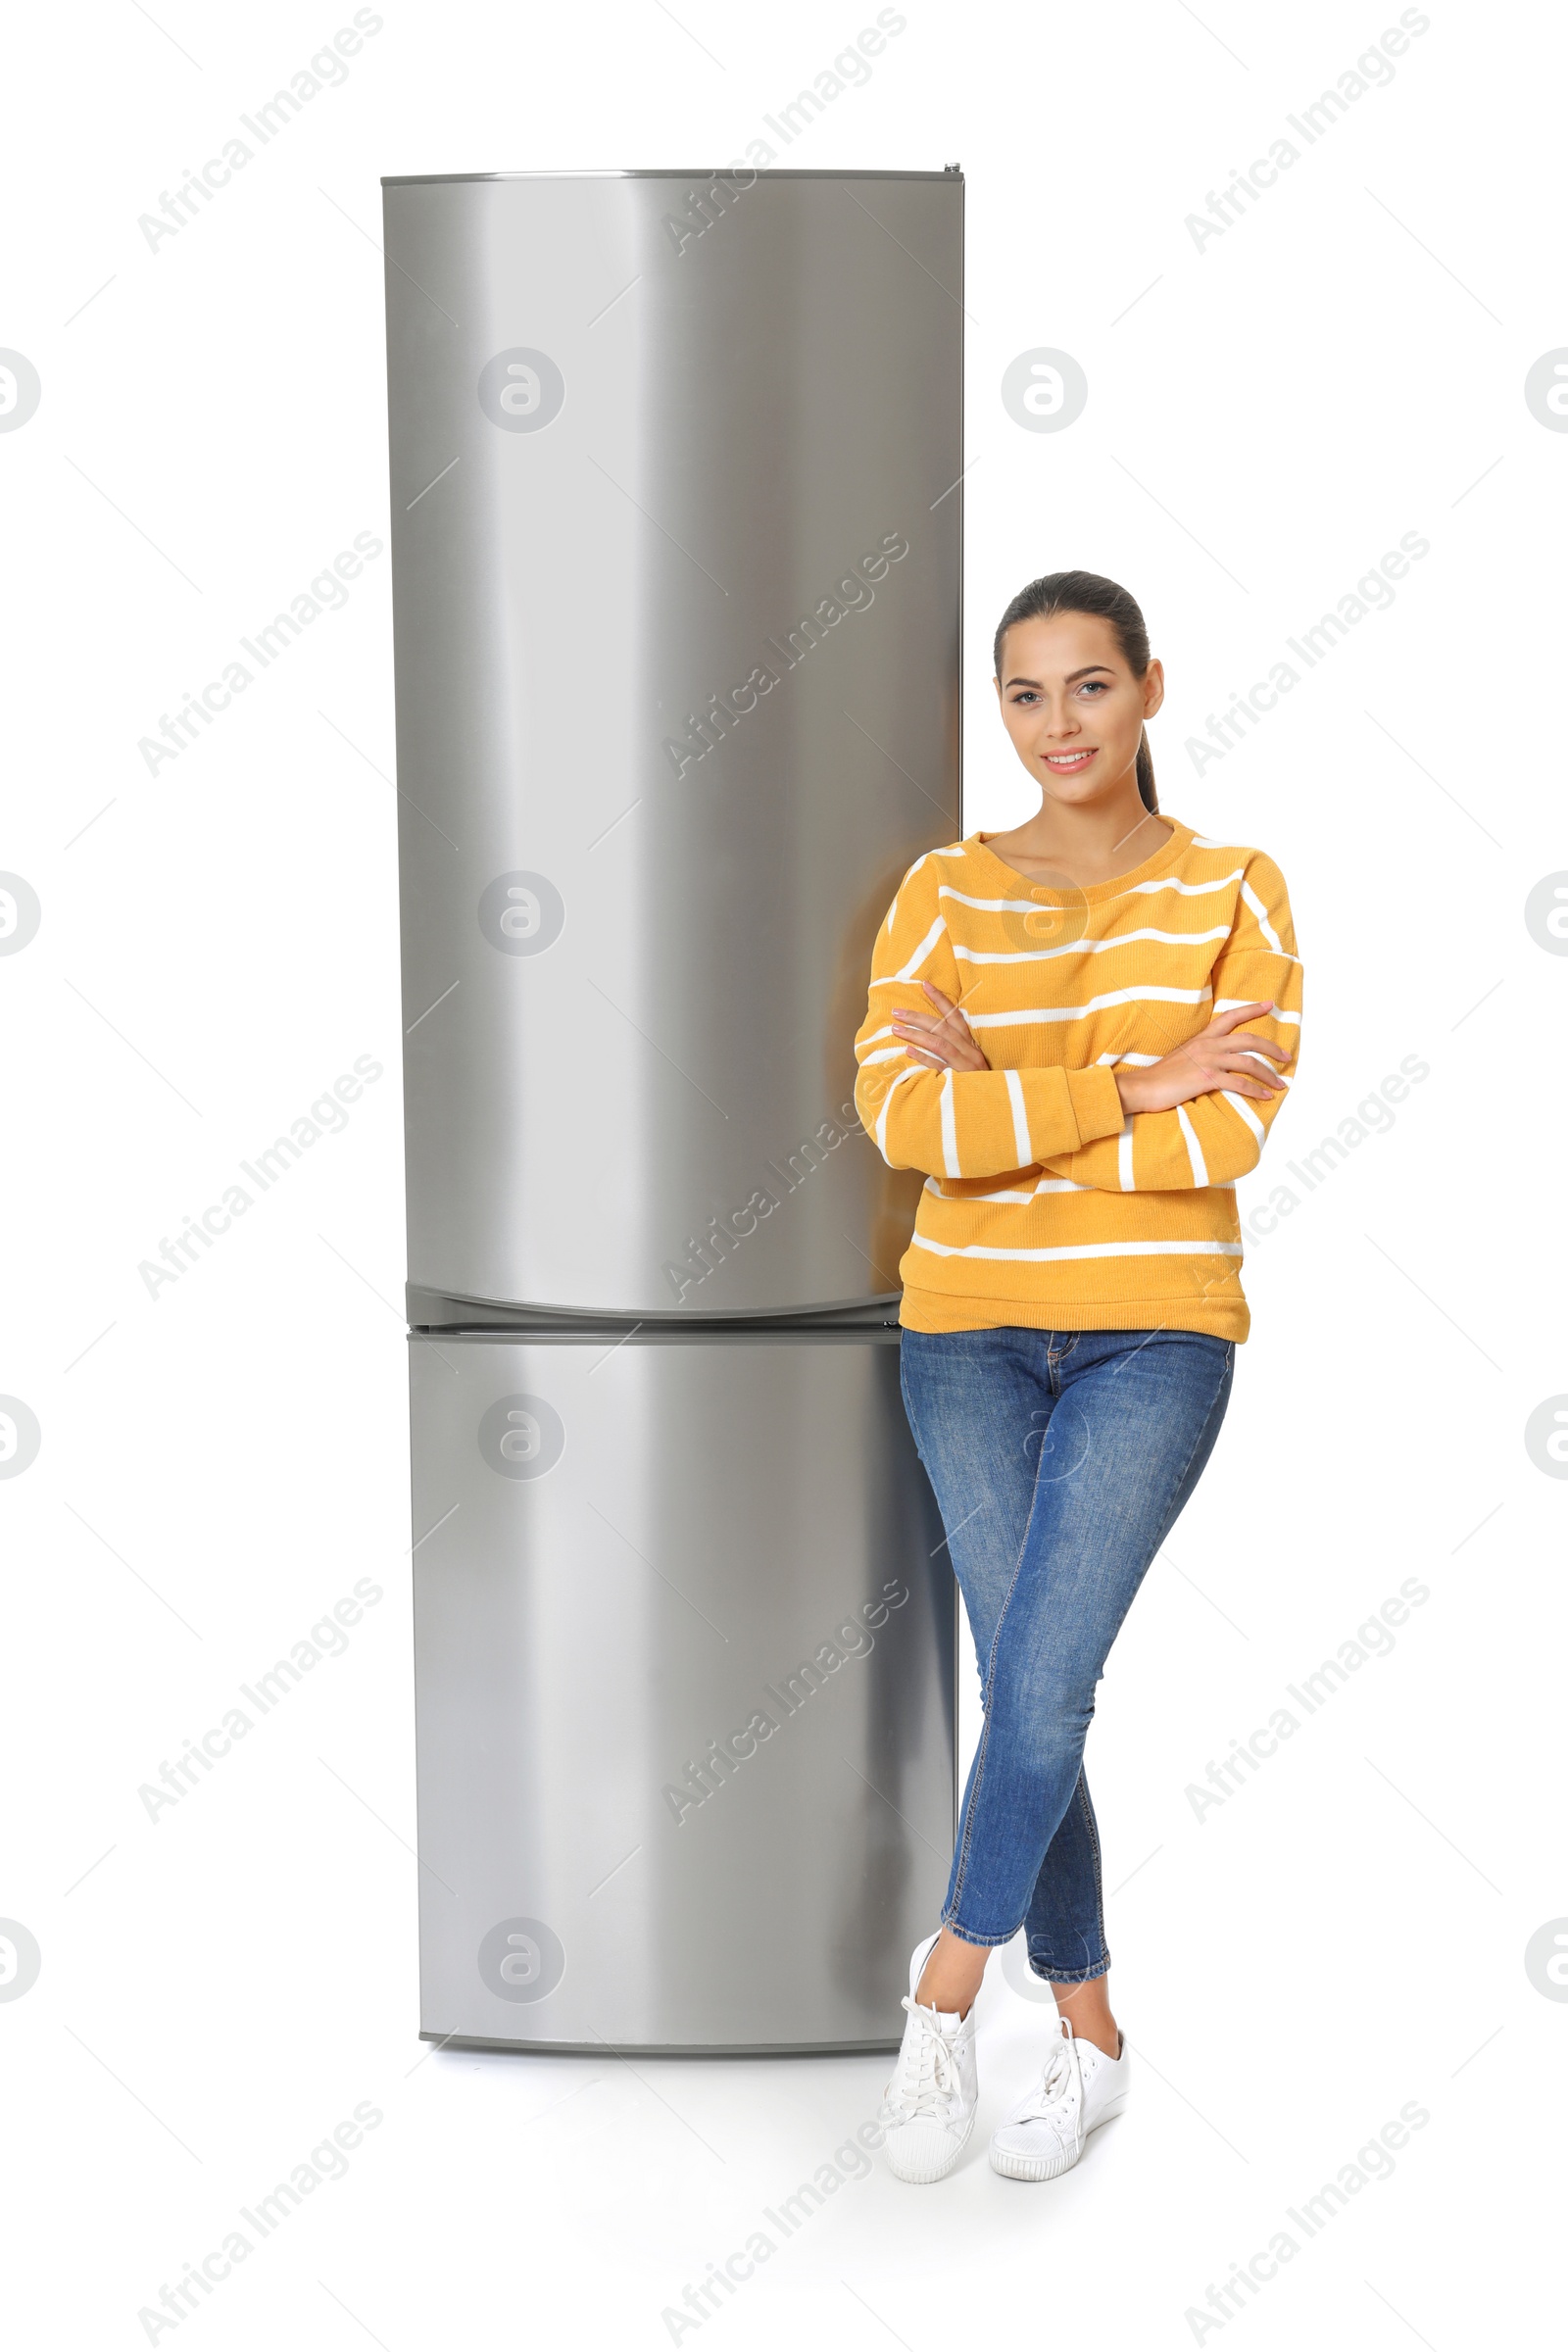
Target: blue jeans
[{"x": 1060, "y": 1460}]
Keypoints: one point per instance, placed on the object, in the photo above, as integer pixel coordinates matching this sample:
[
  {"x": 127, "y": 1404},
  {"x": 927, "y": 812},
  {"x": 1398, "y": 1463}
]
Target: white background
[{"x": 1266, "y": 415}]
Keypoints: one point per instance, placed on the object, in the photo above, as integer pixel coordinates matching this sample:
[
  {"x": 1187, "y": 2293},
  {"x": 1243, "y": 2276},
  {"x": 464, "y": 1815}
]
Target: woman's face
[{"x": 1072, "y": 707}]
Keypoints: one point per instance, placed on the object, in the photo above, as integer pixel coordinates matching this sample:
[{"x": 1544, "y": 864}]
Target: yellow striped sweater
[{"x": 1043, "y": 1203}]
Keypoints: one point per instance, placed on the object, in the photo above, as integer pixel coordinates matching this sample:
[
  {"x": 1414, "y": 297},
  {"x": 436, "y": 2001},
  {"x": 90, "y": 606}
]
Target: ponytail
[{"x": 1145, "y": 774}]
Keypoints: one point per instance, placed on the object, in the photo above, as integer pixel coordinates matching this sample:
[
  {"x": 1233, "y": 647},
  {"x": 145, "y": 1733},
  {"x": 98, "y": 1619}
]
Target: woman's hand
[
  {"x": 1221, "y": 1058},
  {"x": 943, "y": 1044}
]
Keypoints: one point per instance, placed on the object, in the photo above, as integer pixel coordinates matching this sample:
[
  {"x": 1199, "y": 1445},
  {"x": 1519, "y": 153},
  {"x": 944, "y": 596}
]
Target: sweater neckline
[{"x": 1094, "y": 893}]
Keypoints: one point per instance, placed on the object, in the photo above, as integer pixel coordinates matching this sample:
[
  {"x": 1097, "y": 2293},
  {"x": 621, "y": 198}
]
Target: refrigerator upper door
[{"x": 676, "y": 569}]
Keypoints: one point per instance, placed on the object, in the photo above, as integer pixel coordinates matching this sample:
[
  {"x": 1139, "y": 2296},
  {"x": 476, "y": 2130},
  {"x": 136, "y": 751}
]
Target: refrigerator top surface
[{"x": 429, "y": 179}]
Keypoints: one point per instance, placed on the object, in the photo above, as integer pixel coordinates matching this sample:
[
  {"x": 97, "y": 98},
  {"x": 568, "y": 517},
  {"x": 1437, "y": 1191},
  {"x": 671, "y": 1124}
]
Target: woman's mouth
[{"x": 1069, "y": 763}]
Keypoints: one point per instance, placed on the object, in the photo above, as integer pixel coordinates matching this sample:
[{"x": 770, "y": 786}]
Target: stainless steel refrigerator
[{"x": 675, "y": 465}]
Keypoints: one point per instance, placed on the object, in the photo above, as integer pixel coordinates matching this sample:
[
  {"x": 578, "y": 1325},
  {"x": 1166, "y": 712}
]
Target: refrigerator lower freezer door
[{"x": 685, "y": 1639}]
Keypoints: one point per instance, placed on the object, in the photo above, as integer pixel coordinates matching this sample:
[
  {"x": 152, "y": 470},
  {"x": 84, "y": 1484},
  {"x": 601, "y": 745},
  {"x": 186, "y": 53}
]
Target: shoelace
[
  {"x": 1061, "y": 2092},
  {"x": 928, "y": 2074}
]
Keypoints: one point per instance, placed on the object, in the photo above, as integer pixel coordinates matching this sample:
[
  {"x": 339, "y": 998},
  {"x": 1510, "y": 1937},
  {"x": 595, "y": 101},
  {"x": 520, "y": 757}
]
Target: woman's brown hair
[{"x": 1086, "y": 592}]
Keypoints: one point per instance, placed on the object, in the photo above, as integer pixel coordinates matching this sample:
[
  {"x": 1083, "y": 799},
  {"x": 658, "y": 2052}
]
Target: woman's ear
[{"x": 1154, "y": 688}]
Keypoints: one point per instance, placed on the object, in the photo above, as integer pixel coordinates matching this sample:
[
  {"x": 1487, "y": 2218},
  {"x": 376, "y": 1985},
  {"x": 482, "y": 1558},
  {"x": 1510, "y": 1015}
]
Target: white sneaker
[
  {"x": 1079, "y": 2089},
  {"x": 927, "y": 2112}
]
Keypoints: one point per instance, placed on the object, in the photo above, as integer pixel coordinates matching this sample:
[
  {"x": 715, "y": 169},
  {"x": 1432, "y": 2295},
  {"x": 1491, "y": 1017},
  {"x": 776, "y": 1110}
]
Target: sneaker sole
[
  {"x": 1048, "y": 2168},
  {"x": 924, "y": 2178}
]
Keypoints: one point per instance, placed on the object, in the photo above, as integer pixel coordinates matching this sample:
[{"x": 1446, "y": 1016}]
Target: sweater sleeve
[
  {"x": 1217, "y": 1137},
  {"x": 958, "y": 1122}
]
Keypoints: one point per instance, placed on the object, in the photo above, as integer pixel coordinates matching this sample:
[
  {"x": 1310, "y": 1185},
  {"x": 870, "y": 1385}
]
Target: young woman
[{"x": 1079, "y": 1030}]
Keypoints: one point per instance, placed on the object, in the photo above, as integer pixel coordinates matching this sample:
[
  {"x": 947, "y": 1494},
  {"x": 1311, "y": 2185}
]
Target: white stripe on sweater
[
  {"x": 1261, "y": 912},
  {"x": 1291, "y": 1020},
  {"x": 949, "y": 1129},
  {"x": 910, "y": 1071},
  {"x": 919, "y": 958},
  {"x": 1249, "y": 1118},
  {"x": 945, "y": 890},
  {"x": 1021, "y": 1120},
  {"x": 1008, "y": 1192},
  {"x": 1092, "y": 947},
  {"x": 908, "y": 877},
  {"x": 1193, "y": 1249},
  {"x": 1081, "y": 1012},
  {"x": 1195, "y": 1150},
  {"x": 1187, "y": 890}
]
